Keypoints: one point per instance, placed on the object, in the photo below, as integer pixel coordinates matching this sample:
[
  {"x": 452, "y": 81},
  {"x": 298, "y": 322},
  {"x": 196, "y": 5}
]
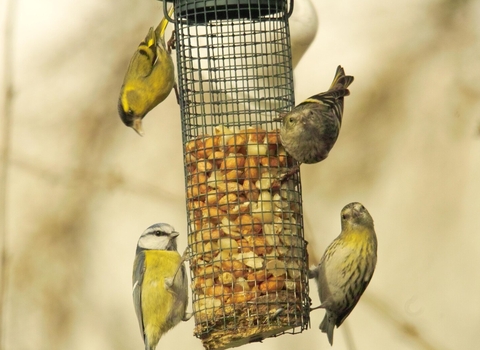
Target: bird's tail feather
[
  {"x": 162, "y": 26},
  {"x": 341, "y": 81},
  {"x": 327, "y": 326},
  {"x": 334, "y": 96},
  {"x": 150, "y": 39},
  {"x": 337, "y": 90}
]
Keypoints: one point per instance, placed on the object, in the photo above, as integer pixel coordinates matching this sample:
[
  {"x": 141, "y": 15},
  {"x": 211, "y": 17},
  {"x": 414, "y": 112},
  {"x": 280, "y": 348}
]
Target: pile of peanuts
[{"x": 245, "y": 237}]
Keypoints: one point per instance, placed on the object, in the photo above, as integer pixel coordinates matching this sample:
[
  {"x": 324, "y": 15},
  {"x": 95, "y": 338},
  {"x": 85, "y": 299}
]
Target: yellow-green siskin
[
  {"x": 149, "y": 79},
  {"x": 346, "y": 267},
  {"x": 309, "y": 130}
]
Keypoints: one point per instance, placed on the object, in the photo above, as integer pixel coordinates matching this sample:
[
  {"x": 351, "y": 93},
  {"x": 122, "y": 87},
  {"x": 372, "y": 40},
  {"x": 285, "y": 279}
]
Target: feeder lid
[{"x": 202, "y": 11}]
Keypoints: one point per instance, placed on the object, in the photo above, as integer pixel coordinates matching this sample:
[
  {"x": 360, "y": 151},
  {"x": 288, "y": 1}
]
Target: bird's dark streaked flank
[
  {"x": 346, "y": 267},
  {"x": 160, "y": 294},
  {"x": 149, "y": 79},
  {"x": 310, "y": 129}
]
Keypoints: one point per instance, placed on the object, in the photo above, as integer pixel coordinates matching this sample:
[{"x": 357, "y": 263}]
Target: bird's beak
[
  {"x": 281, "y": 116},
  {"x": 137, "y": 126},
  {"x": 278, "y": 119},
  {"x": 174, "y": 234}
]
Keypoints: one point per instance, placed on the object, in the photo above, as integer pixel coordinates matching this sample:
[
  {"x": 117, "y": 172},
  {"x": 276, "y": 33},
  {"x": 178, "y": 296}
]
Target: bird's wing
[
  {"x": 332, "y": 271},
  {"x": 137, "y": 280},
  {"x": 182, "y": 280},
  {"x": 328, "y": 97},
  {"x": 333, "y": 98},
  {"x": 340, "y": 81},
  {"x": 340, "y": 281},
  {"x": 323, "y": 289},
  {"x": 180, "y": 286},
  {"x": 143, "y": 59},
  {"x": 371, "y": 265}
]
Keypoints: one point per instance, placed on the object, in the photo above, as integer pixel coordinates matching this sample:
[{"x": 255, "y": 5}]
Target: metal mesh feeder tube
[{"x": 248, "y": 255}]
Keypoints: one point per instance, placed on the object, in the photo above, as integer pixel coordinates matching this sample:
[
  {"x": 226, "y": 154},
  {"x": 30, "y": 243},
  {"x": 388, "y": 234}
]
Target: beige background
[{"x": 82, "y": 187}]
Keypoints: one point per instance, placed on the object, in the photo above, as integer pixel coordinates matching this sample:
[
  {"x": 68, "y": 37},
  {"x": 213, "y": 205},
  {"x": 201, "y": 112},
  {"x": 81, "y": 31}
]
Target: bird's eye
[
  {"x": 344, "y": 216},
  {"x": 290, "y": 119},
  {"x": 157, "y": 233}
]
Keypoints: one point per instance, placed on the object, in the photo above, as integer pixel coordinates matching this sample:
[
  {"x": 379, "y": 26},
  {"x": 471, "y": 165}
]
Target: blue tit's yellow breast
[{"x": 156, "y": 300}]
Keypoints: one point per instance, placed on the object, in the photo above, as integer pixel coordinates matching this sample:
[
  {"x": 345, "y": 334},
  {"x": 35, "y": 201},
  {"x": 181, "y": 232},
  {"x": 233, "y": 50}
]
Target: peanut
[
  {"x": 273, "y": 284},
  {"x": 243, "y": 222}
]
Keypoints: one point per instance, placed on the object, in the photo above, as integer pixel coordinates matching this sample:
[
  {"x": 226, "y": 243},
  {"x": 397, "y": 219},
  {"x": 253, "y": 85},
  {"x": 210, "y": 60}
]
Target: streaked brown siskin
[
  {"x": 310, "y": 130},
  {"x": 346, "y": 267}
]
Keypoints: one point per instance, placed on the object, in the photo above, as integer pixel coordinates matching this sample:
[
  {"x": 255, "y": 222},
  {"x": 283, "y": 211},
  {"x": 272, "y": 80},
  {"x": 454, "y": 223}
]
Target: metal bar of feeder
[{"x": 245, "y": 227}]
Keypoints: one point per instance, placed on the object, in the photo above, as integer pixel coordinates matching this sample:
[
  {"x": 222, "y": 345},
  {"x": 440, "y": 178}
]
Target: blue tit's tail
[{"x": 328, "y": 325}]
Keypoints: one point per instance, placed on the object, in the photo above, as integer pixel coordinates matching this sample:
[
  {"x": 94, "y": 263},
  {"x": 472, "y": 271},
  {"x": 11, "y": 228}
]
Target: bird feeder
[{"x": 248, "y": 255}]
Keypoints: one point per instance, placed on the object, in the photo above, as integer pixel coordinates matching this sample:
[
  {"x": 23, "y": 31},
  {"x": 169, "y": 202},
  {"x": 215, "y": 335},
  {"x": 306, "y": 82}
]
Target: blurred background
[{"x": 78, "y": 187}]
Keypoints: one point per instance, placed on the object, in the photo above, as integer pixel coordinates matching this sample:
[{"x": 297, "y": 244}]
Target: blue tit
[
  {"x": 310, "y": 130},
  {"x": 149, "y": 79},
  {"x": 160, "y": 294}
]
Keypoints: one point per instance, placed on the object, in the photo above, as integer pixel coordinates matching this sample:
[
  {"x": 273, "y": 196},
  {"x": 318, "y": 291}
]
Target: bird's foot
[
  {"x": 177, "y": 95},
  {"x": 292, "y": 171},
  {"x": 169, "y": 283},
  {"x": 171, "y": 43},
  {"x": 187, "y": 316},
  {"x": 312, "y": 273},
  {"x": 277, "y": 313}
]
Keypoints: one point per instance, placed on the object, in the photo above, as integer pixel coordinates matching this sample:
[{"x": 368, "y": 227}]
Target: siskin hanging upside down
[
  {"x": 346, "y": 267},
  {"x": 149, "y": 79},
  {"x": 310, "y": 129}
]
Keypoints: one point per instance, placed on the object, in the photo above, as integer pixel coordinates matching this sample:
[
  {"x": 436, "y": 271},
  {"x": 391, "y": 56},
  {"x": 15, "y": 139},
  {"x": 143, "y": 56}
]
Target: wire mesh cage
[{"x": 248, "y": 255}]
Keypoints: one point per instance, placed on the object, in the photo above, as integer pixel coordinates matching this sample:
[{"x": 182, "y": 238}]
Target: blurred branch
[
  {"x": 405, "y": 327},
  {"x": 348, "y": 336},
  {"x": 7, "y": 93},
  {"x": 100, "y": 180}
]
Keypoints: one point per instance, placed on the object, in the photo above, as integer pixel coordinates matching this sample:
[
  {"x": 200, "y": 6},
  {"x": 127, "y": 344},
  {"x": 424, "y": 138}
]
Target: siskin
[
  {"x": 346, "y": 267},
  {"x": 149, "y": 79},
  {"x": 160, "y": 295},
  {"x": 309, "y": 130}
]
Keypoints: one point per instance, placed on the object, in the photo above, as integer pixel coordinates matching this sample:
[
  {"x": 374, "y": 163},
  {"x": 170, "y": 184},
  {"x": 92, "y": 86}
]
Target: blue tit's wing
[
  {"x": 184, "y": 275},
  {"x": 137, "y": 280},
  {"x": 180, "y": 283},
  {"x": 180, "y": 286}
]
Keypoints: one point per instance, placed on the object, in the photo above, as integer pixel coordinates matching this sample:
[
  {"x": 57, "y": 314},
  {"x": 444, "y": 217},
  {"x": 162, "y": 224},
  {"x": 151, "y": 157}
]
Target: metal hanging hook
[
  {"x": 290, "y": 10},
  {"x": 165, "y": 12}
]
